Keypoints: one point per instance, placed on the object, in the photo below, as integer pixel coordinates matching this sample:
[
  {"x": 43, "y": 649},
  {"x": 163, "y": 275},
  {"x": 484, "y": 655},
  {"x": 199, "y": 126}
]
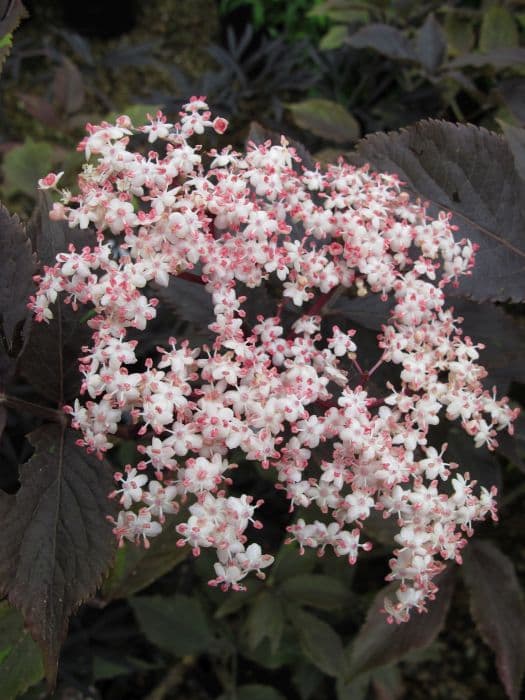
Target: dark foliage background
[{"x": 143, "y": 623}]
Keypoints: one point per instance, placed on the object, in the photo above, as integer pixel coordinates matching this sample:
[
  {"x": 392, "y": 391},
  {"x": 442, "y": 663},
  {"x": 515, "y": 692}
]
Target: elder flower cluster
[{"x": 272, "y": 393}]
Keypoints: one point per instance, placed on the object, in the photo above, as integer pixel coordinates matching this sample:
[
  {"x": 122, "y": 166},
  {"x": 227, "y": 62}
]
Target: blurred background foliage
[{"x": 325, "y": 72}]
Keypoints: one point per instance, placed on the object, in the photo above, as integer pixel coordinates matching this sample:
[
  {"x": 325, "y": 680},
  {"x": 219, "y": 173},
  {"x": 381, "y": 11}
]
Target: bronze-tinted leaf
[
  {"x": 384, "y": 39},
  {"x": 56, "y": 543},
  {"x": 378, "y": 643},
  {"x": 496, "y": 603},
  {"x": 470, "y": 172}
]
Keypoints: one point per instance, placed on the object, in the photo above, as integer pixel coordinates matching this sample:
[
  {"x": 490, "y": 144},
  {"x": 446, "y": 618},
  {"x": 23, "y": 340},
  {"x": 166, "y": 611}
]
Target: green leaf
[
  {"x": 459, "y": 33},
  {"x": 56, "y": 542},
  {"x": 16, "y": 284},
  {"x": 498, "y": 30},
  {"x": 325, "y": 118},
  {"x": 316, "y": 590},
  {"x": 379, "y": 643},
  {"x": 177, "y": 624},
  {"x": 265, "y": 621},
  {"x": 319, "y": 642},
  {"x": 256, "y": 691},
  {"x": 306, "y": 678},
  {"x": 431, "y": 44},
  {"x": 497, "y": 607},
  {"x": 24, "y": 165},
  {"x": 20, "y": 660},
  {"x": 384, "y": 39},
  {"x": 356, "y": 689},
  {"x": 136, "y": 568},
  {"x": 334, "y": 37},
  {"x": 289, "y": 562},
  {"x": 469, "y": 172},
  {"x": 137, "y": 113}
]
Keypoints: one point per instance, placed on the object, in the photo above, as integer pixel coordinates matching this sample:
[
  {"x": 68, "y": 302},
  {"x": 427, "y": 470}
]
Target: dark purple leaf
[
  {"x": 496, "y": 603},
  {"x": 50, "y": 360},
  {"x": 40, "y": 109},
  {"x": 503, "y": 336},
  {"x": 16, "y": 284},
  {"x": 431, "y": 44},
  {"x": 378, "y": 643},
  {"x": 68, "y": 87},
  {"x": 512, "y": 90},
  {"x": 11, "y": 14},
  {"x": 56, "y": 542},
  {"x": 259, "y": 134},
  {"x": 513, "y": 446},
  {"x": 384, "y": 39},
  {"x": 470, "y": 172},
  {"x": 481, "y": 464},
  {"x": 516, "y": 140}
]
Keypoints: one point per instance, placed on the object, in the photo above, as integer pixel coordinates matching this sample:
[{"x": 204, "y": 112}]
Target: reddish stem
[
  {"x": 318, "y": 304},
  {"x": 190, "y": 277}
]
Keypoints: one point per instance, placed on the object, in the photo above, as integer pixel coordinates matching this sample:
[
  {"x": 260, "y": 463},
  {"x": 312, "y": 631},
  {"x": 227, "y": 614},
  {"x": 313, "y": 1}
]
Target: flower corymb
[{"x": 278, "y": 387}]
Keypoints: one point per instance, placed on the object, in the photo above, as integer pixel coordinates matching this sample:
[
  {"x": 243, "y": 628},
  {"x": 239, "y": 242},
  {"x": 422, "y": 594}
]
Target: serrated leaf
[
  {"x": 177, "y": 624},
  {"x": 498, "y": 30},
  {"x": 11, "y": 14},
  {"x": 319, "y": 642},
  {"x": 136, "y": 568},
  {"x": 24, "y": 165},
  {"x": 515, "y": 136},
  {"x": 470, "y": 172},
  {"x": 379, "y": 643},
  {"x": 56, "y": 543},
  {"x": 431, "y": 44},
  {"x": 265, "y": 621},
  {"x": 20, "y": 659},
  {"x": 16, "y": 283},
  {"x": 325, "y": 118},
  {"x": 497, "y": 606},
  {"x": 316, "y": 590},
  {"x": 384, "y": 39}
]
